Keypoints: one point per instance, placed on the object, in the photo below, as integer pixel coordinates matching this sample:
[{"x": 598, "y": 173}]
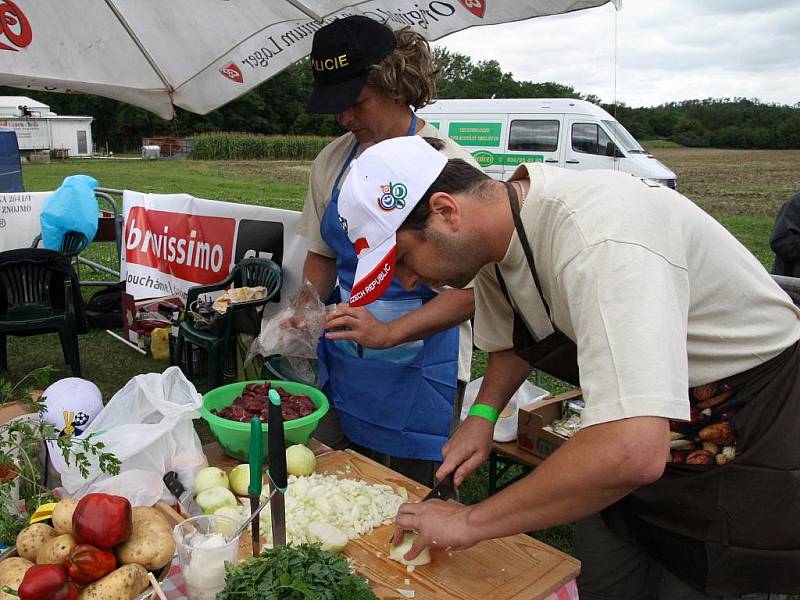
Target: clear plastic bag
[
  {"x": 148, "y": 426},
  {"x": 294, "y": 331}
]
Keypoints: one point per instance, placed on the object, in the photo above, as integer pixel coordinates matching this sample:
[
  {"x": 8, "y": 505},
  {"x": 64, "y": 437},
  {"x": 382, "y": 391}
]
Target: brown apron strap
[
  {"x": 555, "y": 354},
  {"x": 526, "y": 247},
  {"x": 502, "y": 284}
]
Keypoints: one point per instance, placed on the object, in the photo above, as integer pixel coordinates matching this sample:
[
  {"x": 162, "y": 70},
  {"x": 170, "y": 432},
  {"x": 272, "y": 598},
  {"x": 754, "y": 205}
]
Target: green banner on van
[
  {"x": 489, "y": 159},
  {"x": 476, "y": 134}
]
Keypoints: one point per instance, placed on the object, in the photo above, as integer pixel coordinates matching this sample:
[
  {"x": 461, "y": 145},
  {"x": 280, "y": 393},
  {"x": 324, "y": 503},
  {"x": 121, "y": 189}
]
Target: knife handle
[
  {"x": 255, "y": 457},
  {"x": 277, "y": 447},
  {"x": 173, "y": 484}
]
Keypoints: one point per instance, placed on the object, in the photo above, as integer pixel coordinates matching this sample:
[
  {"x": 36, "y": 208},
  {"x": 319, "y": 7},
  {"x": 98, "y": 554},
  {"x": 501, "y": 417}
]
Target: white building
[{"x": 38, "y": 129}]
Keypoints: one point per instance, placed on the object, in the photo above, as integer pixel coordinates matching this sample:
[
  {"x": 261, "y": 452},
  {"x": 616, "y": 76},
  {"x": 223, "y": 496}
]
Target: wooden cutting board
[{"x": 513, "y": 568}]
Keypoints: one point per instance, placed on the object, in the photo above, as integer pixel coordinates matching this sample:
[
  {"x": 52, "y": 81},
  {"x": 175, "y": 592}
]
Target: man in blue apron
[
  {"x": 685, "y": 477},
  {"x": 391, "y": 371}
]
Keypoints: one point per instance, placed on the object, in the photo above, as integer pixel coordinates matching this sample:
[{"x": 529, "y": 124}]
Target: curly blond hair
[{"x": 407, "y": 74}]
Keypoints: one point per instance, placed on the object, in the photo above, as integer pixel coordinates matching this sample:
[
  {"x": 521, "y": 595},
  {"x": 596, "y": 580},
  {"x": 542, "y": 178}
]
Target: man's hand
[
  {"x": 439, "y": 525},
  {"x": 467, "y": 450},
  {"x": 359, "y": 326}
]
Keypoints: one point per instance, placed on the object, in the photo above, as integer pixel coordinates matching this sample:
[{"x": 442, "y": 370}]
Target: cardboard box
[
  {"x": 168, "y": 307},
  {"x": 532, "y": 418}
]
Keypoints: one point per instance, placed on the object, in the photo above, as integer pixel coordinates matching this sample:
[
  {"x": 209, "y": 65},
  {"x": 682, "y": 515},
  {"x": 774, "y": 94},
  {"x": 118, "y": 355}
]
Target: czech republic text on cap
[{"x": 382, "y": 188}]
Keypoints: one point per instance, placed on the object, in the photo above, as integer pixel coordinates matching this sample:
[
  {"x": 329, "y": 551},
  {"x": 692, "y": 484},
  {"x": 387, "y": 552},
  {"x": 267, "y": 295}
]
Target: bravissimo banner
[{"x": 172, "y": 242}]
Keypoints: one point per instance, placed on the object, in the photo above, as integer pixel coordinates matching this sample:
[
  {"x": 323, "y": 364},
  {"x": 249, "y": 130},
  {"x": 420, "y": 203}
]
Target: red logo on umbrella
[
  {"x": 476, "y": 7},
  {"x": 14, "y": 26},
  {"x": 233, "y": 73}
]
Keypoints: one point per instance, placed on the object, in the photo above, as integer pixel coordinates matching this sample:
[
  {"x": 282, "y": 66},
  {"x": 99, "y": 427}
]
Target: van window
[
  {"x": 624, "y": 137},
  {"x": 539, "y": 136},
  {"x": 589, "y": 138}
]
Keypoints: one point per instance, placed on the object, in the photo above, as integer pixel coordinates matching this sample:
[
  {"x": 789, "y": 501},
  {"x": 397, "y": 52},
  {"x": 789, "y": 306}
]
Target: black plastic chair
[
  {"x": 37, "y": 296},
  {"x": 250, "y": 272},
  {"x": 74, "y": 242}
]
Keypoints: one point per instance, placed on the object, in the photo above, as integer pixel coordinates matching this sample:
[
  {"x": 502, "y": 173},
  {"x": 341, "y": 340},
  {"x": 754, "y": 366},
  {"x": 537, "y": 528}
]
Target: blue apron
[{"x": 397, "y": 401}]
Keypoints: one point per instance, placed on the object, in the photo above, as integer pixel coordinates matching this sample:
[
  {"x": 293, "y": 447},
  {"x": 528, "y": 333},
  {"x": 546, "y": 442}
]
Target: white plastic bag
[
  {"x": 505, "y": 430},
  {"x": 148, "y": 426}
]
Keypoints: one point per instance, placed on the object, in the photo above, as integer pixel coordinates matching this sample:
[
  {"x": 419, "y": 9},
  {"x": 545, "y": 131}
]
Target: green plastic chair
[
  {"x": 250, "y": 272},
  {"x": 31, "y": 304}
]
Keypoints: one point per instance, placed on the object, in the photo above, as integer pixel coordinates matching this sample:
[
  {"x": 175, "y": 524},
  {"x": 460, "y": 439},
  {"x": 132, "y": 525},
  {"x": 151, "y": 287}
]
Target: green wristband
[{"x": 485, "y": 412}]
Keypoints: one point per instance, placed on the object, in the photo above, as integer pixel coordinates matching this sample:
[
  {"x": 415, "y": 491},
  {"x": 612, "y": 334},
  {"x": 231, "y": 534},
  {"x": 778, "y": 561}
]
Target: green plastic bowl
[{"x": 234, "y": 437}]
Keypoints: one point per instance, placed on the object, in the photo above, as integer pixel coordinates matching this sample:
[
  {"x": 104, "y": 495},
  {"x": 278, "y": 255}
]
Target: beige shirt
[
  {"x": 324, "y": 171},
  {"x": 657, "y": 295}
]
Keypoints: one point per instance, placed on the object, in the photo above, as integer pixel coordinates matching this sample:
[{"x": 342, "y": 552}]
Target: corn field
[{"x": 248, "y": 146}]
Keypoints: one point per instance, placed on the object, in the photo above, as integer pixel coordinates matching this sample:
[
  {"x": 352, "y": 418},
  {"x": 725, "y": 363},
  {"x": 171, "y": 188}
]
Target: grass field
[{"x": 741, "y": 188}]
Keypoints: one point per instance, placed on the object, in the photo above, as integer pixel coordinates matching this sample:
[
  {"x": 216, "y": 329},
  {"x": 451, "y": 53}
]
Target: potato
[
  {"x": 14, "y": 563},
  {"x": 142, "y": 514},
  {"x": 62, "y": 515},
  {"x": 124, "y": 583},
  {"x": 150, "y": 545},
  {"x": 32, "y": 538},
  {"x": 12, "y": 571},
  {"x": 56, "y": 550}
]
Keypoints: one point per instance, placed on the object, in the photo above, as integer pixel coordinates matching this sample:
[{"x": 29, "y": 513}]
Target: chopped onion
[
  {"x": 208, "y": 478},
  {"x": 214, "y": 498},
  {"x": 239, "y": 479},
  {"x": 353, "y": 506},
  {"x": 400, "y": 550},
  {"x": 300, "y": 460},
  {"x": 327, "y": 536}
]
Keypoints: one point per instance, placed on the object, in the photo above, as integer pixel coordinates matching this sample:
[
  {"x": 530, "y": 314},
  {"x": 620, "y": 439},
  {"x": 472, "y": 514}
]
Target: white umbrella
[{"x": 201, "y": 54}]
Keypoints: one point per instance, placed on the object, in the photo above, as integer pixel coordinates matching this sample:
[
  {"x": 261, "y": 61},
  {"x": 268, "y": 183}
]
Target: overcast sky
[{"x": 666, "y": 50}]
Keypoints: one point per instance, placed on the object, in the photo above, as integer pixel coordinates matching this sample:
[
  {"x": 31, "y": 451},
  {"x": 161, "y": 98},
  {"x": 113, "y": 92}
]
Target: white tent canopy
[{"x": 201, "y": 54}]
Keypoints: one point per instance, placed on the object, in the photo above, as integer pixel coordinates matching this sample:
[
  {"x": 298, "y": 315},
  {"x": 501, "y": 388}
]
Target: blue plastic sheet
[{"x": 72, "y": 207}]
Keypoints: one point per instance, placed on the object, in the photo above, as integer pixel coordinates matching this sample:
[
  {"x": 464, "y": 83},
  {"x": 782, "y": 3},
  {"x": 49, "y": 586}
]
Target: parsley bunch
[{"x": 303, "y": 572}]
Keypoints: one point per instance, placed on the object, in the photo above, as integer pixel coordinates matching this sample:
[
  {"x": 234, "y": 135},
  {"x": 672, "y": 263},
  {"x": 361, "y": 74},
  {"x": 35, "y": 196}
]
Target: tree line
[{"x": 278, "y": 107}]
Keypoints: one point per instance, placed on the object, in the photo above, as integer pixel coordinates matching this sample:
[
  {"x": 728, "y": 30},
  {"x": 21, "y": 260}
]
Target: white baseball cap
[
  {"x": 71, "y": 405},
  {"x": 381, "y": 189}
]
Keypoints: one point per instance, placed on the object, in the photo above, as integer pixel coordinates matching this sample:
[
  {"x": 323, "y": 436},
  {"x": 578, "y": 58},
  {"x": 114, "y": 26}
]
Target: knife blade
[
  {"x": 277, "y": 469},
  {"x": 255, "y": 458},
  {"x": 444, "y": 490},
  {"x": 184, "y": 496}
]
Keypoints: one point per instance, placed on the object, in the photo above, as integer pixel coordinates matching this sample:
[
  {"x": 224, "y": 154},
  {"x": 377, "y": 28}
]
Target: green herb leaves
[{"x": 303, "y": 572}]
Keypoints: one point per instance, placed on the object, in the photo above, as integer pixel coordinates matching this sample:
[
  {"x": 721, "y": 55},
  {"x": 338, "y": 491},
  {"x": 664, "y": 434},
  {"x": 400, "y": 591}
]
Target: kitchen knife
[
  {"x": 277, "y": 469},
  {"x": 444, "y": 490},
  {"x": 255, "y": 458},
  {"x": 184, "y": 496}
]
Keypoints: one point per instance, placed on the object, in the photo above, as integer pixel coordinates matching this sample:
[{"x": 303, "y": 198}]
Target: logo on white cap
[
  {"x": 382, "y": 188},
  {"x": 393, "y": 196}
]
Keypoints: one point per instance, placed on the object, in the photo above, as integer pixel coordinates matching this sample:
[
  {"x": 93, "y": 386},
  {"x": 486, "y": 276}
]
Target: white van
[{"x": 502, "y": 133}]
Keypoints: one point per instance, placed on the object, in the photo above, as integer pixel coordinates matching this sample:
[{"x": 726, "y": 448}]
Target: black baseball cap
[{"x": 341, "y": 55}]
